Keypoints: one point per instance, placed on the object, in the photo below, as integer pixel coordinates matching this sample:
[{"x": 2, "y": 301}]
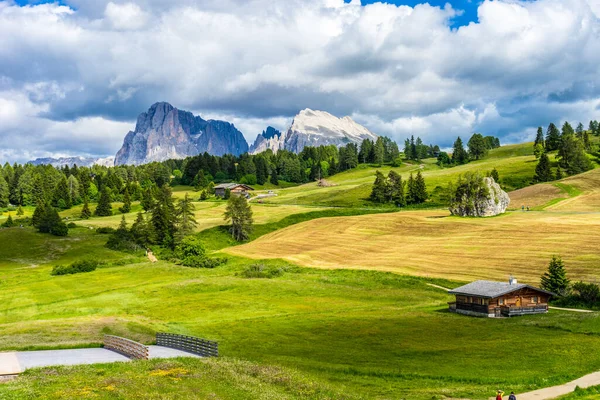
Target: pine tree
[
  {"x": 420, "y": 189},
  {"x": 379, "y": 151},
  {"x": 140, "y": 230},
  {"x": 542, "y": 170},
  {"x": 163, "y": 218},
  {"x": 539, "y": 138},
  {"x": 571, "y": 154},
  {"x": 552, "y": 138},
  {"x": 86, "y": 213},
  {"x": 61, "y": 192},
  {"x": 274, "y": 177},
  {"x": 559, "y": 174},
  {"x": 186, "y": 220},
  {"x": 4, "y": 192},
  {"x": 477, "y": 146},
  {"x": 495, "y": 175},
  {"x": 538, "y": 150},
  {"x": 148, "y": 200},
  {"x": 459, "y": 154},
  {"x": 411, "y": 190},
  {"x": 579, "y": 131},
  {"x": 9, "y": 223},
  {"x": 200, "y": 181},
  {"x": 396, "y": 189},
  {"x": 20, "y": 211},
  {"x": 38, "y": 214},
  {"x": 104, "y": 207},
  {"x": 380, "y": 189},
  {"x": 239, "y": 213},
  {"x": 126, "y": 201},
  {"x": 555, "y": 279}
]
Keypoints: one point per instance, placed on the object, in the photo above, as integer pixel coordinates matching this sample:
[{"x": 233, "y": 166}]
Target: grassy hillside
[{"x": 352, "y": 332}]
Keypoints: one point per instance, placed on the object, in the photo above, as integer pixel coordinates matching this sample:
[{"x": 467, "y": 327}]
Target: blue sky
[{"x": 73, "y": 83}]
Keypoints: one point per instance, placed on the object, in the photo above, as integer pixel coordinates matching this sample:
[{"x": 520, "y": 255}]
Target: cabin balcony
[{"x": 513, "y": 311}]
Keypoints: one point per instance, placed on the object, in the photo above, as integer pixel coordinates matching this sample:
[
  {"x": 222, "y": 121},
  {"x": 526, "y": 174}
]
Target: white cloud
[{"x": 397, "y": 69}]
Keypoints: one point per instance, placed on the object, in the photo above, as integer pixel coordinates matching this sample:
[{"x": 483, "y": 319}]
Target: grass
[
  {"x": 434, "y": 244},
  {"x": 358, "y": 334}
]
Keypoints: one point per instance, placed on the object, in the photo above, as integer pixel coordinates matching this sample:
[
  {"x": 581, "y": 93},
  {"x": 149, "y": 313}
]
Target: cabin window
[
  {"x": 501, "y": 301},
  {"x": 534, "y": 299}
]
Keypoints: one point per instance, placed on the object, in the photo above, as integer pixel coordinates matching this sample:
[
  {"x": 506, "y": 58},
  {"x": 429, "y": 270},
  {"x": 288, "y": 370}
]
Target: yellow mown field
[{"x": 432, "y": 243}]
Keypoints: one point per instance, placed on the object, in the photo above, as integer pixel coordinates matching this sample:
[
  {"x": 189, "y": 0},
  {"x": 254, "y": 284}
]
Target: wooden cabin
[
  {"x": 499, "y": 299},
  {"x": 236, "y": 189}
]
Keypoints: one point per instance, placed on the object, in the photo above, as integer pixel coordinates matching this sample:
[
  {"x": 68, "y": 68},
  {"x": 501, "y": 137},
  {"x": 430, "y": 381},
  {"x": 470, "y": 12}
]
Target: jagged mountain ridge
[
  {"x": 320, "y": 128},
  {"x": 70, "y": 161},
  {"x": 270, "y": 138},
  {"x": 164, "y": 132}
]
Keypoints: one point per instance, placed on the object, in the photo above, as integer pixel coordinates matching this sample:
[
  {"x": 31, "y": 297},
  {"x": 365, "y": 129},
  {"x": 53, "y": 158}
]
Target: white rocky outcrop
[{"x": 494, "y": 203}]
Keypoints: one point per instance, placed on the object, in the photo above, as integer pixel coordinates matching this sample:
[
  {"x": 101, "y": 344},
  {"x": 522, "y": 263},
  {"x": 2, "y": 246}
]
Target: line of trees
[
  {"x": 571, "y": 146},
  {"x": 478, "y": 147},
  {"x": 416, "y": 150},
  {"x": 394, "y": 190}
]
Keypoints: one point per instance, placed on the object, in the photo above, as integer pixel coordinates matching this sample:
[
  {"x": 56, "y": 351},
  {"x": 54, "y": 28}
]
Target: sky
[{"x": 75, "y": 74}]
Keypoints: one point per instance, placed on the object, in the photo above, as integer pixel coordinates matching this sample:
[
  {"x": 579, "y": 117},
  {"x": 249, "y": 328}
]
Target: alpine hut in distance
[{"x": 499, "y": 299}]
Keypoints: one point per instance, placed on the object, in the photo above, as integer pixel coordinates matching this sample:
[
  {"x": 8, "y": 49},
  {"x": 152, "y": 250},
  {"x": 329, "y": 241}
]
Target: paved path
[
  {"x": 571, "y": 309},
  {"x": 17, "y": 362},
  {"x": 553, "y": 392}
]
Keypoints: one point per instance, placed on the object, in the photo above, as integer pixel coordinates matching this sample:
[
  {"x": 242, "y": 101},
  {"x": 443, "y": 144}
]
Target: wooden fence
[
  {"x": 126, "y": 347},
  {"x": 202, "y": 347}
]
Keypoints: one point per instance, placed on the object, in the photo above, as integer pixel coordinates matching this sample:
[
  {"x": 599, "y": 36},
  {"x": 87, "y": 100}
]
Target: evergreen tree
[
  {"x": 411, "y": 190},
  {"x": 61, "y": 192},
  {"x": 148, "y": 200},
  {"x": 559, "y": 174},
  {"x": 104, "y": 207},
  {"x": 9, "y": 223},
  {"x": 204, "y": 195},
  {"x": 141, "y": 231},
  {"x": 477, "y": 146},
  {"x": 552, "y": 138},
  {"x": 555, "y": 279},
  {"x": 538, "y": 150},
  {"x": 4, "y": 192},
  {"x": 380, "y": 189},
  {"x": 274, "y": 177},
  {"x": 126, "y": 201},
  {"x": 20, "y": 211},
  {"x": 239, "y": 213},
  {"x": 366, "y": 148},
  {"x": 539, "y": 138},
  {"x": 50, "y": 222},
  {"x": 379, "y": 151},
  {"x": 579, "y": 131},
  {"x": 86, "y": 213},
  {"x": 414, "y": 153},
  {"x": 587, "y": 145},
  {"x": 572, "y": 156},
  {"x": 495, "y": 175},
  {"x": 420, "y": 189},
  {"x": 73, "y": 185},
  {"x": 459, "y": 154},
  {"x": 395, "y": 188},
  {"x": 38, "y": 214},
  {"x": 200, "y": 181},
  {"x": 542, "y": 170},
  {"x": 163, "y": 219},
  {"x": 185, "y": 218}
]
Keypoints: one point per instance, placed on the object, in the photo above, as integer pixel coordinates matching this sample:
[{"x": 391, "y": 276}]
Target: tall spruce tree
[
  {"x": 395, "y": 188},
  {"x": 104, "y": 207},
  {"x": 459, "y": 154},
  {"x": 163, "y": 218},
  {"x": 379, "y": 151},
  {"x": 539, "y": 138},
  {"x": 38, "y": 214},
  {"x": 555, "y": 279},
  {"x": 420, "y": 189},
  {"x": 86, "y": 213},
  {"x": 126, "y": 201},
  {"x": 148, "y": 200},
  {"x": 571, "y": 154},
  {"x": 552, "y": 138},
  {"x": 274, "y": 177},
  {"x": 61, "y": 197},
  {"x": 380, "y": 189},
  {"x": 579, "y": 131},
  {"x": 543, "y": 173},
  {"x": 186, "y": 220},
  {"x": 141, "y": 231},
  {"x": 4, "y": 192},
  {"x": 477, "y": 146},
  {"x": 239, "y": 213},
  {"x": 411, "y": 190}
]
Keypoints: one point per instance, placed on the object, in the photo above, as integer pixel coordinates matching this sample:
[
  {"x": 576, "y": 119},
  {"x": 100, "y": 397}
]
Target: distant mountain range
[
  {"x": 70, "y": 161},
  {"x": 164, "y": 132}
]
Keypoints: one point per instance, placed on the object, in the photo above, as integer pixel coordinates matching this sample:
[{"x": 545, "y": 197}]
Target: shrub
[
  {"x": 71, "y": 225},
  {"x": 260, "y": 271},
  {"x": 105, "y": 230},
  {"x": 192, "y": 253},
  {"x": 75, "y": 268},
  {"x": 59, "y": 229}
]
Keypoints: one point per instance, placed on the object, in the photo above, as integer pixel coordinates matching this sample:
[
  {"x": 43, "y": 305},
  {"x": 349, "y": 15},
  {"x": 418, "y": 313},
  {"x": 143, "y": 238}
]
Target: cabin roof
[
  {"x": 491, "y": 289},
  {"x": 232, "y": 186}
]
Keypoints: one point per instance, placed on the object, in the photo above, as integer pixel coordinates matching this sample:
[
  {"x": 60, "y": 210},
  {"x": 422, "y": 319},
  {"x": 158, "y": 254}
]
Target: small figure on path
[
  {"x": 512, "y": 396},
  {"x": 522, "y": 208},
  {"x": 527, "y": 208},
  {"x": 499, "y": 394}
]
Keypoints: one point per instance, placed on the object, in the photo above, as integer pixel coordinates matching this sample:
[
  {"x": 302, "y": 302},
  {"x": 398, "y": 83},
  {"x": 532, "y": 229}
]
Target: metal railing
[
  {"x": 126, "y": 347},
  {"x": 201, "y": 347}
]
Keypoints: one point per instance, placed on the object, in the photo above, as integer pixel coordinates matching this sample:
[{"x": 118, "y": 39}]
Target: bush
[
  {"x": 75, "y": 268},
  {"x": 71, "y": 225},
  {"x": 192, "y": 253},
  {"x": 260, "y": 271},
  {"x": 59, "y": 229},
  {"x": 105, "y": 230}
]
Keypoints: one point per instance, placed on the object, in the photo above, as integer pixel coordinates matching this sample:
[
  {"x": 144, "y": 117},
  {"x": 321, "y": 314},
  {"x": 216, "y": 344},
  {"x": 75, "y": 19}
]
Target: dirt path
[
  {"x": 570, "y": 309},
  {"x": 438, "y": 286}
]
